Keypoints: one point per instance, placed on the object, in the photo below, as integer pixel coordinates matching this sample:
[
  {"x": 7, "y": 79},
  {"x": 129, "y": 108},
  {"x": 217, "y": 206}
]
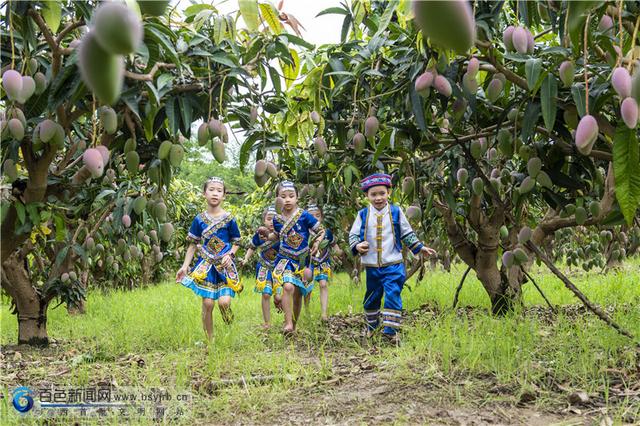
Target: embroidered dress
[
  {"x": 293, "y": 254},
  {"x": 214, "y": 237},
  {"x": 267, "y": 252},
  {"x": 386, "y": 231},
  {"x": 321, "y": 264}
]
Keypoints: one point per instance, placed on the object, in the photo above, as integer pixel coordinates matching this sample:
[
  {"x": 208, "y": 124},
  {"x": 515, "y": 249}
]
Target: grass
[{"x": 149, "y": 338}]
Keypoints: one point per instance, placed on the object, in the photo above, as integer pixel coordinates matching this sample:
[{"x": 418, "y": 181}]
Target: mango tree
[
  {"x": 503, "y": 121},
  {"x": 93, "y": 130}
]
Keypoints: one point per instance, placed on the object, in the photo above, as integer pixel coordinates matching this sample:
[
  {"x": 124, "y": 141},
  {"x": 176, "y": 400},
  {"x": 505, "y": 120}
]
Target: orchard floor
[{"x": 454, "y": 367}]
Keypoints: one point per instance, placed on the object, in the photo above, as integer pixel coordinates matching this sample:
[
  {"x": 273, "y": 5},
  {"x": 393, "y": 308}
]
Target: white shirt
[{"x": 382, "y": 247}]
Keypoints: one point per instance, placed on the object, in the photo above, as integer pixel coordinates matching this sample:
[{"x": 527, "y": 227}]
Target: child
[
  {"x": 377, "y": 235},
  {"x": 293, "y": 228},
  {"x": 215, "y": 234},
  {"x": 267, "y": 251},
  {"x": 321, "y": 264}
]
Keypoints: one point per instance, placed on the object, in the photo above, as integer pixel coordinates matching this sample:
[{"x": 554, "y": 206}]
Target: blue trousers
[{"x": 386, "y": 281}]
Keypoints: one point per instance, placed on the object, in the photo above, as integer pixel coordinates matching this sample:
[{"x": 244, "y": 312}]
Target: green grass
[{"x": 464, "y": 354}]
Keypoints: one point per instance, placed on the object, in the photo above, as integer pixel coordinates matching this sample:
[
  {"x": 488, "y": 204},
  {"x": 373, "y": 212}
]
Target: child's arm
[
  {"x": 248, "y": 255},
  {"x": 191, "y": 250},
  {"x": 357, "y": 246},
  {"x": 410, "y": 239}
]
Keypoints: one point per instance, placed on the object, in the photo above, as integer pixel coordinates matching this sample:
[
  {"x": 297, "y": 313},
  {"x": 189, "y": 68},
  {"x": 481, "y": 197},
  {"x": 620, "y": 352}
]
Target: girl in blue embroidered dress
[
  {"x": 215, "y": 235},
  {"x": 293, "y": 228},
  {"x": 267, "y": 253}
]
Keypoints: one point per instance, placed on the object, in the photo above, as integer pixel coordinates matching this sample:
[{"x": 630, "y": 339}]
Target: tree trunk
[{"x": 29, "y": 306}]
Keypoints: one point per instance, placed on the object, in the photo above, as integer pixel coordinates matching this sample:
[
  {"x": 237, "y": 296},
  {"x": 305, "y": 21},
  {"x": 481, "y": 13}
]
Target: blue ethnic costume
[
  {"x": 267, "y": 252},
  {"x": 293, "y": 255},
  {"x": 321, "y": 263},
  {"x": 214, "y": 237},
  {"x": 385, "y": 230}
]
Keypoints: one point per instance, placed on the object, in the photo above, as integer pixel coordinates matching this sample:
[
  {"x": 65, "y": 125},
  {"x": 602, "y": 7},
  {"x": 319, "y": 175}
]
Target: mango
[
  {"x": 544, "y": 180},
  {"x": 109, "y": 119},
  {"x": 126, "y": 220},
  {"x": 176, "y": 154},
  {"x": 567, "y": 71},
  {"x": 139, "y": 204},
  {"x": 160, "y": 211},
  {"x": 477, "y": 185},
  {"x": 605, "y": 24},
  {"x": 359, "y": 143},
  {"x": 473, "y": 66},
  {"x": 102, "y": 72},
  {"x": 203, "y": 134},
  {"x": 16, "y": 129},
  {"x": 28, "y": 89},
  {"x": 260, "y": 168},
  {"x": 508, "y": 259},
  {"x": 117, "y": 28},
  {"x": 586, "y": 134},
  {"x": 524, "y": 235},
  {"x": 520, "y": 256},
  {"x": 272, "y": 170},
  {"x": 423, "y": 83},
  {"x": 166, "y": 232},
  {"x": 371, "y": 126},
  {"x": 507, "y": 38},
  {"x": 494, "y": 90},
  {"x": 41, "y": 82},
  {"x": 320, "y": 146},
  {"x": 10, "y": 170},
  {"x": 581, "y": 215},
  {"x": 519, "y": 39},
  {"x": 594, "y": 208},
  {"x": 315, "y": 117},
  {"x": 621, "y": 82},
  {"x": 527, "y": 185},
  {"x": 442, "y": 85},
  {"x": 462, "y": 175},
  {"x": 504, "y": 232},
  {"x": 408, "y": 185},
  {"x": 534, "y": 165},
  {"x": 92, "y": 160},
  {"x": 164, "y": 150},
  {"x": 217, "y": 149},
  {"x": 469, "y": 83},
  {"x": 414, "y": 213},
  {"x": 448, "y": 24},
  {"x": 476, "y": 149},
  {"x": 215, "y": 128},
  {"x": 12, "y": 83},
  {"x": 132, "y": 160},
  {"x": 629, "y": 112},
  {"x": 130, "y": 145}
]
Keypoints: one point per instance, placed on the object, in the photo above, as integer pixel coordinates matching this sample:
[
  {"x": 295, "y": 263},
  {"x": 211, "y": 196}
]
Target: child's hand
[
  {"x": 226, "y": 261},
  {"x": 315, "y": 248},
  {"x": 427, "y": 251},
  {"x": 182, "y": 272},
  {"x": 363, "y": 247}
]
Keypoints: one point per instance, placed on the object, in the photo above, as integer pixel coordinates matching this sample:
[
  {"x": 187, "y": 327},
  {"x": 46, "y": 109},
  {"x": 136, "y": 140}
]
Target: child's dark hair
[{"x": 214, "y": 180}]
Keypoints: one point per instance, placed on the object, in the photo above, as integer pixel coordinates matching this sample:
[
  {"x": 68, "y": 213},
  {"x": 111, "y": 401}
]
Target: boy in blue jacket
[{"x": 377, "y": 236}]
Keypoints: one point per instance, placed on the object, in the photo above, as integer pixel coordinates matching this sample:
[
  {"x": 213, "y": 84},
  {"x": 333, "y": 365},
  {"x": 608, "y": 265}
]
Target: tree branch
[
  {"x": 66, "y": 30},
  {"x": 149, "y": 76},
  {"x": 465, "y": 248}
]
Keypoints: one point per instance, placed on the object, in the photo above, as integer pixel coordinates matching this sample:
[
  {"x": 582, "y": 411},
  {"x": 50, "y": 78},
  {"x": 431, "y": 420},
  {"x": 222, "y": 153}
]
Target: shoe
[{"x": 392, "y": 338}]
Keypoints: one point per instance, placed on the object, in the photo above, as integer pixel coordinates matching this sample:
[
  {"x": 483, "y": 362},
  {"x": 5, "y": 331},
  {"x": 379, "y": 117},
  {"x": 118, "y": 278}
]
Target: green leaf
[
  {"x": 249, "y": 13},
  {"x": 224, "y": 59},
  {"x": 296, "y": 40},
  {"x": 20, "y": 211},
  {"x": 529, "y": 120},
  {"x": 275, "y": 79},
  {"x": 52, "y": 12},
  {"x": 577, "y": 91},
  {"x": 548, "y": 98},
  {"x": 173, "y": 116},
  {"x": 219, "y": 29},
  {"x": 418, "y": 109},
  {"x": 152, "y": 34},
  {"x": 333, "y": 11},
  {"x": 197, "y": 8},
  {"x": 61, "y": 228},
  {"x": 626, "y": 170},
  {"x": 532, "y": 69},
  {"x": 385, "y": 142},
  {"x": 270, "y": 16},
  {"x": 386, "y": 17},
  {"x": 291, "y": 71}
]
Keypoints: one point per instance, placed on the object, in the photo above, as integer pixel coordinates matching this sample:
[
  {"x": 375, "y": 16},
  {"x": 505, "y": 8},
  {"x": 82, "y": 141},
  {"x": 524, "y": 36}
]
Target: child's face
[
  {"x": 317, "y": 214},
  {"x": 378, "y": 196},
  {"x": 268, "y": 221},
  {"x": 289, "y": 199},
  {"x": 214, "y": 194}
]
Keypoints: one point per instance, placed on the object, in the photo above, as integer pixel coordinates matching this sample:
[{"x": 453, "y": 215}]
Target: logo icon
[{"x": 22, "y": 400}]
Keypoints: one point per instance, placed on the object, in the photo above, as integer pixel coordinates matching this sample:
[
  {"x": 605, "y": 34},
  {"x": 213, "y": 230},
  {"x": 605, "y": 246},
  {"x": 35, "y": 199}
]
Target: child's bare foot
[
  {"x": 288, "y": 330},
  {"x": 324, "y": 318},
  {"x": 266, "y": 326}
]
